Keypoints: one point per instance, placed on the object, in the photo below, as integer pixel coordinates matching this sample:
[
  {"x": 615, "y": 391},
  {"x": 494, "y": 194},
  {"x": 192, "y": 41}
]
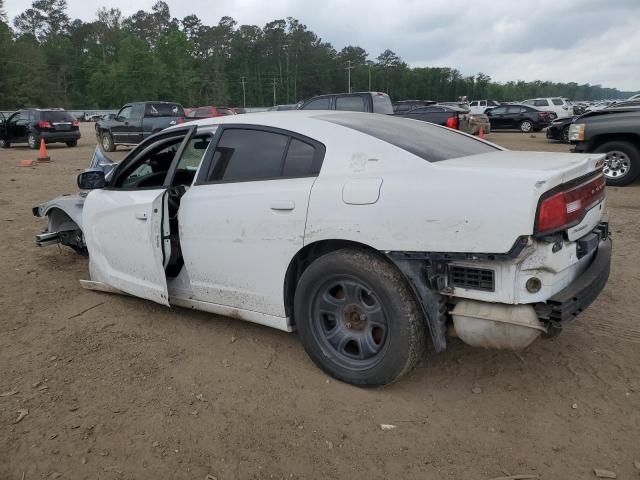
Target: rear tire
[
  {"x": 106, "y": 140},
  {"x": 4, "y": 144},
  {"x": 564, "y": 135},
  {"x": 525, "y": 126},
  {"x": 33, "y": 141},
  {"x": 72, "y": 143},
  {"x": 622, "y": 163},
  {"x": 358, "y": 319}
]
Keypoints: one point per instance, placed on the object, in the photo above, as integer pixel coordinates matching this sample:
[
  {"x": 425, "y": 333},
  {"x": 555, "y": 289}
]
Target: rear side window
[
  {"x": 317, "y": 104},
  {"x": 247, "y": 155},
  {"x": 557, "y": 101},
  {"x": 299, "y": 159},
  {"x": 541, "y": 103},
  {"x": 202, "y": 112},
  {"x": 163, "y": 110},
  {"x": 55, "y": 116},
  {"x": 352, "y": 103},
  {"x": 427, "y": 141}
]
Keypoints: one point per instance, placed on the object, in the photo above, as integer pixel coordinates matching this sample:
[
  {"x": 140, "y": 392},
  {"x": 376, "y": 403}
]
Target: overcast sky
[{"x": 587, "y": 41}]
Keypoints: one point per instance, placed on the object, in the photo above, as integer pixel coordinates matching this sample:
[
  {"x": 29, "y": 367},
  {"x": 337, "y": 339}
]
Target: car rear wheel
[
  {"x": 32, "y": 141},
  {"x": 106, "y": 140},
  {"x": 525, "y": 126},
  {"x": 358, "y": 319},
  {"x": 622, "y": 162},
  {"x": 72, "y": 143},
  {"x": 564, "y": 135},
  {"x": 4, "y": 144}
]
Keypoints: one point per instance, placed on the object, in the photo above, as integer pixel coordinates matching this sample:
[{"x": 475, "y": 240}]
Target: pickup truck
[
  {"x": 615, "y": 132},
  {"x": 136, "y": 121},
  {"x": 371, "y": 102}
]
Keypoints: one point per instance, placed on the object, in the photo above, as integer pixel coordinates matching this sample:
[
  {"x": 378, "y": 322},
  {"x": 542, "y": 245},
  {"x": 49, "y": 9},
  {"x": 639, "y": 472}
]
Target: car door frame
[
  {"x": 205, "y": 165},
  {"x": 158, "y": 206},
  {"x": 120, "y": 129},
  {"x": 11, "y": 136},
  {"x": 271, "y": 312}
]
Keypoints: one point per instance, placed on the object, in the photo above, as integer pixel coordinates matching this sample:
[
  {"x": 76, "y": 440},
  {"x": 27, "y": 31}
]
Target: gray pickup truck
[
  {"x": 616, "y": 132},
  {"x": 136, "y": 121}
]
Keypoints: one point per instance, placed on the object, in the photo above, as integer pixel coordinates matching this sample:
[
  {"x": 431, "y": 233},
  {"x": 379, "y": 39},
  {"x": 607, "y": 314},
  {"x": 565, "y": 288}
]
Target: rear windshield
[
  {"x": 427, "y": 141},
  {"x": 56, "y": 116},
  {"x": 163, "y": 110}
]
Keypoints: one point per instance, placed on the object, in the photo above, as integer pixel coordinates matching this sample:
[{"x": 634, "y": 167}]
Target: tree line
[{"x": 49, "y": 59}]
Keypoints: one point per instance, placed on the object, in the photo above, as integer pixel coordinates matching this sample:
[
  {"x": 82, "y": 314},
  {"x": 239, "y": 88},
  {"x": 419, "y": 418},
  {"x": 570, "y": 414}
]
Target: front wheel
[
  {"x": 564, "y": 135},
  {"x": 622, "y": 162},
  {"x": 358, "y": 319},
  {"x": 525, "y": 126},
  {"x": 106, "y": 141},
  {"x": 4, "y": 144}
]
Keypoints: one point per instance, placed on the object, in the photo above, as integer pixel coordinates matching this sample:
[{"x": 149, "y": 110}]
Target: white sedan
[{"x": 371, "y": 236}]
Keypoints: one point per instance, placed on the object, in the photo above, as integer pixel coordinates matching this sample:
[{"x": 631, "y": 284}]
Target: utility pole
[
  {"x": 349, "y": 67},
  {"x": 244, "y": 96},
  {"x": 274, "y": 91},
  {"x": 369, "y": 77}
]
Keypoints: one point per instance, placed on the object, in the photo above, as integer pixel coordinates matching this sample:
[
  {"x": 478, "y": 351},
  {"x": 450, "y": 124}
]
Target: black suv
[{"x": 31, "y": 125}]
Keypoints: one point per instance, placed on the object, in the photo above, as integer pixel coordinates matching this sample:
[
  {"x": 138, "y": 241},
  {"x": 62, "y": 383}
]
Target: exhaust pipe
[
  {"x": 496, "y": 325},
  {"x": 47, "y": 238}
]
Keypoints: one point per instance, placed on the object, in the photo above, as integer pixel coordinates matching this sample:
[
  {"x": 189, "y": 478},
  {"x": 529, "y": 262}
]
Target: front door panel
[{"x": 123, "y": 231}]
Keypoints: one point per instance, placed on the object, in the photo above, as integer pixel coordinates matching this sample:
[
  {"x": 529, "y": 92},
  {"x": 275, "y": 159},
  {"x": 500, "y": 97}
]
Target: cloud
[{"x": 586, "y": 41}]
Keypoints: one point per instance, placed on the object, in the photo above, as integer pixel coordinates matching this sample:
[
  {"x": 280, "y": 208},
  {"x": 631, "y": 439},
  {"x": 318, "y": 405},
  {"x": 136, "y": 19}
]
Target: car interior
[{"x": 150, "y": 170}]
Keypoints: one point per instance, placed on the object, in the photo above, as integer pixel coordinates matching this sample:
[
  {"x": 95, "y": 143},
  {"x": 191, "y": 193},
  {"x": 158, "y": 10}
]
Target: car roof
[{"x": 303, "y": 122}]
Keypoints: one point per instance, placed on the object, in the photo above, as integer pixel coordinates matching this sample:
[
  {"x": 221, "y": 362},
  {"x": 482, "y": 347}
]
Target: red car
[{"x": 207, "y": 112}]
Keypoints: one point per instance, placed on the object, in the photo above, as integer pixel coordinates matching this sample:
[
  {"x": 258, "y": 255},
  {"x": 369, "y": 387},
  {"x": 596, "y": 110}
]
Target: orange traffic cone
[
  {"x": 481, "y": 133},
  {"x": 43, "y": 156}
]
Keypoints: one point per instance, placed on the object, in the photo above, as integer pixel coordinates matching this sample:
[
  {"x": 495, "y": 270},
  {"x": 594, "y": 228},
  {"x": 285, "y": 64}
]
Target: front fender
[{"x": 70, "y": 205}]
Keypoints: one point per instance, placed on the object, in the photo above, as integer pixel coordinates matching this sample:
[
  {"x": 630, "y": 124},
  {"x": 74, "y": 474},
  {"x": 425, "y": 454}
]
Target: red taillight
[
  {"x": 44, "y": 124},
  {"x": 180, "y": 120},
  {"x": 452, "y": 122},
  {"x": 75, "y": 122},
  {"x": 565, "y": 208}
]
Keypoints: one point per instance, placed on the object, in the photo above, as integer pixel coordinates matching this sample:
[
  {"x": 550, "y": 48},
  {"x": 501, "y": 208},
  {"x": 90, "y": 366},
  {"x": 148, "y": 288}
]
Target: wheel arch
[
  {"x": 432, "y": 304},
  {"x": 603, "y": 138},
  {"x": 306, "y": 256},
  {"x": 60, "y": 221}
]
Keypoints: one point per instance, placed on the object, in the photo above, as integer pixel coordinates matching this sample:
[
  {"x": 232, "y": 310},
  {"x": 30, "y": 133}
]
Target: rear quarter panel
[{"x": 421, "y": 206}]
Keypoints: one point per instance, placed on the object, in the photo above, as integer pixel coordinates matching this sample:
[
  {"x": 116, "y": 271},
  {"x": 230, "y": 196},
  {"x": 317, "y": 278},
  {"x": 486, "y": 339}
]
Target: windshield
[{"x": 429, "y": 142}]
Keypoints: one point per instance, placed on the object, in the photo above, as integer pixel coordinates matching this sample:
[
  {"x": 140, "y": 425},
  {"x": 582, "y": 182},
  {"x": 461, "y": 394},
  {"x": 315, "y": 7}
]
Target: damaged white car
[{"x": 369, "y": 235}]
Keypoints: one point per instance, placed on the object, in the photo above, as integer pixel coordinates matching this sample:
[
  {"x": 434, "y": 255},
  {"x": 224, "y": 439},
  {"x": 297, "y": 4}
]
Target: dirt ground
[{"x": 120, "y": 388}]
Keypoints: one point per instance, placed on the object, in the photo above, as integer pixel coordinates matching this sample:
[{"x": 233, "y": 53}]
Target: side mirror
[{"x": 91, "y": 179}]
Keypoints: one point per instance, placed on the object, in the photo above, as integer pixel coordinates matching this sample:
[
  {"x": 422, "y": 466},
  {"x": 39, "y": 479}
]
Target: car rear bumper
[
  {"x": 568, "y": 303},
  {"x": 52, "y": 137}
]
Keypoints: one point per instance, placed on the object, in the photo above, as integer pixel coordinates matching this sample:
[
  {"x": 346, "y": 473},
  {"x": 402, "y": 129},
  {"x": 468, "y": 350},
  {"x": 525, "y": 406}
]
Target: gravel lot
[{"x": 120, "y": 388}]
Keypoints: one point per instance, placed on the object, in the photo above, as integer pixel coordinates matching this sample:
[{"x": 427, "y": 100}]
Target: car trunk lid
[{"x": 568, "y": 187}]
